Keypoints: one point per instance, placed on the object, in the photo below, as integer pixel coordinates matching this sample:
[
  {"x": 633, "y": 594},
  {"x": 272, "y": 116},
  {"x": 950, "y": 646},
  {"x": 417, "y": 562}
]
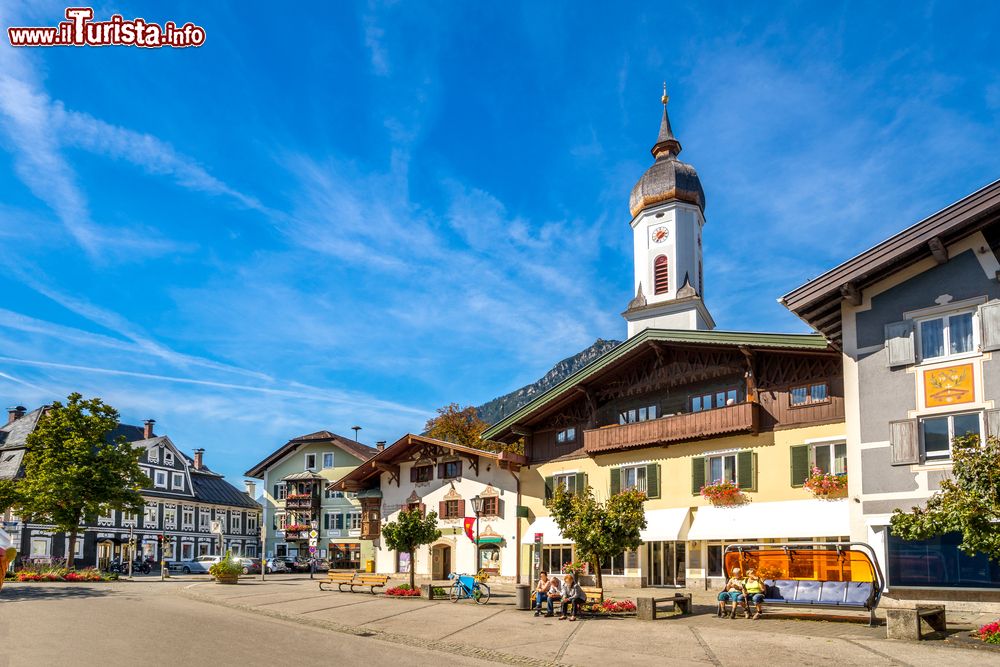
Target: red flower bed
[
  {"x": 403, "y": 591},
  {"x": 990, "y": 633},
  {"x": 610, "y": 606},
  {"x": 61, "y": 574},
  {"x": 723, "y": 494}
]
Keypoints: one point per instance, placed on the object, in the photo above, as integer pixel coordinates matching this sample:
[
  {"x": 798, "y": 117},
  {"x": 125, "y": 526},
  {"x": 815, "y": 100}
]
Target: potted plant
[
  {"x": 825, "y": 484},
  {"x": 723, "y": 494},
  {"x": 227, "y": 570}
]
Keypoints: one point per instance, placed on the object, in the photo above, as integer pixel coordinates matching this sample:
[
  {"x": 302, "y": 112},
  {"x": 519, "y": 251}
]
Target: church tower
[{"x": 667, "y": 206}]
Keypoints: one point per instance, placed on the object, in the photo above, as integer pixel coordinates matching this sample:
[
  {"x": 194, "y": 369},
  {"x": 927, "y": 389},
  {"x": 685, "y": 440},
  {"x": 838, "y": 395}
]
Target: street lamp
[
  {"x": 355, "y": 429},
  {"x": 477, "y": 507}
]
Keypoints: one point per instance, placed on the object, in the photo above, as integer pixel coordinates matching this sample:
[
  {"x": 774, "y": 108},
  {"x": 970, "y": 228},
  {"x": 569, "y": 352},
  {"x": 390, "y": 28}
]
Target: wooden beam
[
  {"x": 938, "y": 250},
  {"x": 851, "y": 294},
  {"x": 520, "y": 430}
]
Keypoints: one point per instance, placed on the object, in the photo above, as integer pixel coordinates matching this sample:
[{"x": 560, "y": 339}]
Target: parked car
[
  {"x": 250, "y": 565},
  {"x": 276, "y": 565},
  {"x": 199, "y": 565},
  {"x": 296, "y": 564}
]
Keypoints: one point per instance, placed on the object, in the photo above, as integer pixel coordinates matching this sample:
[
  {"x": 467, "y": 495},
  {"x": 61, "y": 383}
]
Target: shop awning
[
  {"x": 490, "y": 540},
  {"x": 666, "y": 525},
  {"x": 549, "y": 530},
  {"x": 786, "y": 519}
]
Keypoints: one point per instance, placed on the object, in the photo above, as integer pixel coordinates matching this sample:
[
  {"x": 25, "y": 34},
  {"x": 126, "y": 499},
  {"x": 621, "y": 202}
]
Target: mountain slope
[{"x": 493, "y": 411}]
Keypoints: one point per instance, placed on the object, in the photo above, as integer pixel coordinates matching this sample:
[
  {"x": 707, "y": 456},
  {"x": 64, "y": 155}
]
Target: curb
[{"x": 464, "y": 650}]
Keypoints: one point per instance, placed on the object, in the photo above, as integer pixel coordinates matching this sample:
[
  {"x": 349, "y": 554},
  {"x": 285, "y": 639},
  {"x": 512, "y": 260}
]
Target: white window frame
[
  {"x": 174, "y": 483},
  {"x": 710, "y": 478},
  {"x": 332, "y": 459},
  {"x": 945, "y": 316},
  {"x": 626, "y": 416},
  {"x": 203, "y": 549},
  {"x": 151, "y": 509},
  {"x": 153, "y": 455},
  {"x": 78, "y": 553},
  {"x": 160, "y": 479},
  {"x": 187, "y": 511},
  {"x": 638, "y": 471},
  {"x": 282, "y": 491},
  {"x": 39, "y": 539},
  {"x": 129, "y": 518},
  {"x": 190, "y": 547},
  {"x": 564, "y": 479},
  {"x": 832, "y": 446},
  {"x": 950, "y": 416},
  {"x": 220, "y": 516},
  {"x": 314, "y": 461},
  {"x": 168, "y": 457},
  {"x": 170, "y": 517},
  {"x": 236, "y": 522},
  {"x": 809, "y": 394},
  {"x": 204, "y": 519},
  {"x": 251, "y": 523},
  {"x": 566, "y": 435},
  {"x": 352, "y": 520},
  {"x": 334, "y": 519}
]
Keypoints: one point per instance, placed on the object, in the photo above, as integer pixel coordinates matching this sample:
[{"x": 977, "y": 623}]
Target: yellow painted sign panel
[{"x": 949, "y": 386}]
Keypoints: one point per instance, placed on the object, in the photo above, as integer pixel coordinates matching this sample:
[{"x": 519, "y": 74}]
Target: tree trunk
[
  {"x": 596, "y": 565},
  {"x": 413, "y": 580},
  {"x": 72, "y": 549}
]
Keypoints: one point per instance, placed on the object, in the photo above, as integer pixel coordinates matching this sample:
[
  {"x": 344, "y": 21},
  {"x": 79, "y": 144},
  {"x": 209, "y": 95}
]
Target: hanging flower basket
[
  {"x": 826, "y": 485},
  {"x": 723, "y": 494}
]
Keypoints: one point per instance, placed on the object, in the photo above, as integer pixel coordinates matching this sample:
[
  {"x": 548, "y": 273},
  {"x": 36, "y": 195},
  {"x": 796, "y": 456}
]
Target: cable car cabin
[{"x": 817, "y": 575}]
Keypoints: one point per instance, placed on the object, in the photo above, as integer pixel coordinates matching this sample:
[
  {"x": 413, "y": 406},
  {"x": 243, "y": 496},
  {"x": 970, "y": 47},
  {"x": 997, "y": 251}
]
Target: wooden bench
[
  {"x": 372, "y": 581},
  {"x": 649, "y": 609},
  {"x": 341, "y": 579},
  {"x": 915, "y": 623},
  {"x": 593, "y": 593}
]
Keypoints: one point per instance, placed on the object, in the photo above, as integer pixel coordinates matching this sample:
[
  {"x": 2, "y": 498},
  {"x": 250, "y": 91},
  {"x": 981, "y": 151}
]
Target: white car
[
  {"x": 276, "y": 565},
  {"x": 199, "y": 565}
]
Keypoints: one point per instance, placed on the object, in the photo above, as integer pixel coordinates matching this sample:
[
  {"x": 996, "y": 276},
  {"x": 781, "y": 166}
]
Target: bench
[
  {"x": 847, "y": 595},
  {"x": 593, "y": 594},
  {"x": 915, "y": 623},
  {"x": 648, "y": 609},
  {"x": 372, "y": 581},
  {"x": 341, "y": 579}
]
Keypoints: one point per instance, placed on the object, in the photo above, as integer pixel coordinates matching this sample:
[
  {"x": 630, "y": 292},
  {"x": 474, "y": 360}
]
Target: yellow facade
[{"x": 773, "y": 484}]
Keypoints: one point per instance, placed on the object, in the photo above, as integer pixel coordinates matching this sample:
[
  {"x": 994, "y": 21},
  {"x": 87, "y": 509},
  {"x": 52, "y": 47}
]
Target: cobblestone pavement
[{"x": 499, "y": 633}]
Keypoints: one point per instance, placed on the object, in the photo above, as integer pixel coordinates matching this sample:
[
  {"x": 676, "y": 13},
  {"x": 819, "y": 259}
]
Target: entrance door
[
  {"x": 665, "y": 563},
  {"x": 441, "y": 562},
  {"x": 103, "y": 554}
]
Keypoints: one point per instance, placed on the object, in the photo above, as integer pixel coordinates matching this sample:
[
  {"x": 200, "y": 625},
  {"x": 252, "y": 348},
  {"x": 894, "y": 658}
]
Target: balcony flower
[
  {"x": 297, "y": 528},
  {"x": 826, "y": 485},
  {"x": 723, "y": 494}
]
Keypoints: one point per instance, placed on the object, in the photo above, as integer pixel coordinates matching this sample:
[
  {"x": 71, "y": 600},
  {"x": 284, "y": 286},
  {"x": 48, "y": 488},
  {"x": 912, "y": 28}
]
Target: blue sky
[{"x": 335, "y": 214}]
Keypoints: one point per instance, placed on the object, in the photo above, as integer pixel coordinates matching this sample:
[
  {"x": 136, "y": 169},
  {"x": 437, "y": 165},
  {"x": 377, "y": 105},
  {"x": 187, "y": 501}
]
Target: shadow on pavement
[{"x": 55, "y": 592}]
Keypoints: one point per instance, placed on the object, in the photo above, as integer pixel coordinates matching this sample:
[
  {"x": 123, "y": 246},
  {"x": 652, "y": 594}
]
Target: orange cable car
[{"x": 826, "y": 575}]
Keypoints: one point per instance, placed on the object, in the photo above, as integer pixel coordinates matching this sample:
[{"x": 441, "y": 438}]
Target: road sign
[
  {"x": 538, "y": 538},
  {"x": 312, "y": 549},
  {"x": 313, "y": 542},
  {"x": 313, "y": 534}
]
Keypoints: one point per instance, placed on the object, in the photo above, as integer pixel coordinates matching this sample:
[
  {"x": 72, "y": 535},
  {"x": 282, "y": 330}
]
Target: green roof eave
[{"x": 813, "y": 341}]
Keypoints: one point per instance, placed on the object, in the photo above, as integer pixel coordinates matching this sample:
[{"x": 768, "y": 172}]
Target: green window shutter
[
  {"x": 800, "y": 464},
  {"x": 581, "y": 483},
  {"x": 697, "y": 474},
  {"x": 745, "y": 471},
  {"x": 549, "y": 486},
  {"x": 616, "y": 481},
  {"x": 653, "y": 480}
]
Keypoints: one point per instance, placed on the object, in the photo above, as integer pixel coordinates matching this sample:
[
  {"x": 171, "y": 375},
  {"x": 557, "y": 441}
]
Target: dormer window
[{"x": 168, "y": 458}]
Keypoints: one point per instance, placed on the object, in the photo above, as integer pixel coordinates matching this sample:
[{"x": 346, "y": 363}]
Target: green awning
[{"x": 490, "y": 540}]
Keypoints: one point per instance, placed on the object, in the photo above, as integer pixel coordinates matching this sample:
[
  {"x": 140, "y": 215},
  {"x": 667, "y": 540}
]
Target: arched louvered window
[{"x": 661, "y": 280}]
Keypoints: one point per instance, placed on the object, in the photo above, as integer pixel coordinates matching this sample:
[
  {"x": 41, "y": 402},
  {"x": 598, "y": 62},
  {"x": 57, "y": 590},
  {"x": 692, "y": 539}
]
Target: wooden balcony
[{"x": 739, "y": 418}]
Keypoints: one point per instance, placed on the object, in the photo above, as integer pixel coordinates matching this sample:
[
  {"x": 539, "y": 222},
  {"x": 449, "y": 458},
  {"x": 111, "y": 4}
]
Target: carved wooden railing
[{"x": 739, "y": 418}]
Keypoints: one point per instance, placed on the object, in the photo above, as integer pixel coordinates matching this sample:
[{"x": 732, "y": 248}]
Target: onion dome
[{"x": 668, "y": 178}]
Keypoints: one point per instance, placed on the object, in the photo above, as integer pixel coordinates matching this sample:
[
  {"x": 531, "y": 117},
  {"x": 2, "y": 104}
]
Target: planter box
[{"x": 228, "y": 579}]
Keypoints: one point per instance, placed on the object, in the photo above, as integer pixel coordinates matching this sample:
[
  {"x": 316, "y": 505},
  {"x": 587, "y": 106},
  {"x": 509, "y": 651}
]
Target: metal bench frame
[{"x": 877, "y": 585}]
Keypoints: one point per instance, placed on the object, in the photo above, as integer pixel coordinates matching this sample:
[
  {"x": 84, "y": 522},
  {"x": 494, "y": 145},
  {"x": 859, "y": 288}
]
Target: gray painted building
[{"x": 917, "y": 318}]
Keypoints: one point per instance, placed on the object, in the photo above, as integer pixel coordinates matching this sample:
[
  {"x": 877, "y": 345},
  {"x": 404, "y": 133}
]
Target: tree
[
  {"x": 600, "y": 531},
  {"x": 410, "y": 531},
  {"x": 463, "y": 426},
  {"x": 72, "y": 471},
  {"x": 968, "y": 503}
]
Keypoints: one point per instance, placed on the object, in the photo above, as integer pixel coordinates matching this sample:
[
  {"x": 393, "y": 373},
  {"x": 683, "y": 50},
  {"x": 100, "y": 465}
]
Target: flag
[{"x": 469, "y": 523}]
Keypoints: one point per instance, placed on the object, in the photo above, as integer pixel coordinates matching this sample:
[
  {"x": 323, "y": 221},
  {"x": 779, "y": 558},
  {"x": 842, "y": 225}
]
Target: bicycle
[{"x": 470, "y": 587}]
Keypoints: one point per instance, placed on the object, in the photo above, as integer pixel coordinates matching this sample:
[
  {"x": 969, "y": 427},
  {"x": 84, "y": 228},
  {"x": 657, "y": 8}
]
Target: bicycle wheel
[
  {"x": 456, "y": 592},
  {"x": 482, "y": 594}
]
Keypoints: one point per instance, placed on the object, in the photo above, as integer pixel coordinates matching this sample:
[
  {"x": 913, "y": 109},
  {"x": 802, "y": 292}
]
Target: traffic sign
[
  {"x": 312, "y": 549},
  {"x": 313, "y": 534}
]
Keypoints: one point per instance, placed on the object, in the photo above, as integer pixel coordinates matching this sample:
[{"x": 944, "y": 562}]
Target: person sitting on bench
[
  {"x": 546, "y": 590},
  {"x": 733, "y": 592},
  {"x": 572, "y": 596},
  {"x": 754, "y": 588}
]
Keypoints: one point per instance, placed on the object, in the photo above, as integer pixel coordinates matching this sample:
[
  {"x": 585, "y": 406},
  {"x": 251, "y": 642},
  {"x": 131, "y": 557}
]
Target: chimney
[
  {"x": 199, "y": 456},
  {"x": 15, "y": 413},
  {"x": 147, "y": 428},
  {"x": 380, "y": 445},
  {"x": 251, "y": 488}
]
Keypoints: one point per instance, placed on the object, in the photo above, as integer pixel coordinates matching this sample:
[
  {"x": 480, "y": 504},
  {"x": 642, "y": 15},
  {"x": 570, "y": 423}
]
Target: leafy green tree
[
  {"x": 8, "y": 494},
  {"x": 968, "y": 503},
  {"x": 600, "y": 531},
  {"x": 72, "y": 471},
  {"x": 410, "y": 531}
]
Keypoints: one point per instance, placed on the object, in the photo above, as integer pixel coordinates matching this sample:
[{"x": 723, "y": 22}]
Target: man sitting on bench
[{"x": 732, "y": 592}]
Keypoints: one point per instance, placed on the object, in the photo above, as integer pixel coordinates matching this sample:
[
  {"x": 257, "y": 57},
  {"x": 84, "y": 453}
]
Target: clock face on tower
[{"x": 659, "y": 234}]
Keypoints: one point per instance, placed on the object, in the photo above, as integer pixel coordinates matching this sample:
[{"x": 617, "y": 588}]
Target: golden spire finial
[{"x": 665, "y": 98}]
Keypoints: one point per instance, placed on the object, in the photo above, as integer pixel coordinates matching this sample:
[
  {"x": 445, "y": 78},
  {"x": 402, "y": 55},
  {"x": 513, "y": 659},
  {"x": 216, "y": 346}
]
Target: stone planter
[{"x": 228, "y": 579}]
